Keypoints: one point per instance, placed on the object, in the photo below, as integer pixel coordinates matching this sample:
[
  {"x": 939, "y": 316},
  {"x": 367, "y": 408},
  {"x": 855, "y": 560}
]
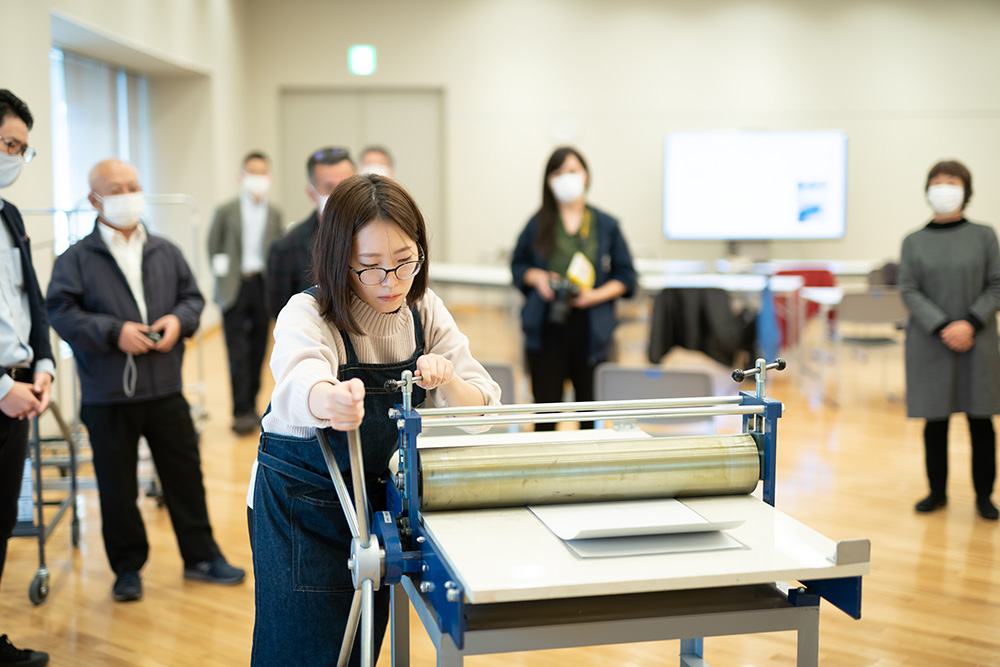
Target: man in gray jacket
[
  {"x": 238, "y": 242},
  {"x": 124, "y": 299}
]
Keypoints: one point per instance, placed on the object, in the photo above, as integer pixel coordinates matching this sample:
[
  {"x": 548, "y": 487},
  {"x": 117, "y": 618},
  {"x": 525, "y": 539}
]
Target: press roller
[{"x": 454, "y": 478}]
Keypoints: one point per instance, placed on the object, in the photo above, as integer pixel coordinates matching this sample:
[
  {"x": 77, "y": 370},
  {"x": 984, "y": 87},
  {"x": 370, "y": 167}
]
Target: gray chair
[
  {"x": 878, "y": 306},
  {"x": 875, "y": 319},
  {"x": 623, "y": 382},
  {"x": 503, "y": 374}
]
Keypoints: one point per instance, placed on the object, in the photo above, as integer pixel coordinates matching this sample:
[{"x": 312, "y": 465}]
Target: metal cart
[{"x": 38, "y": 590}]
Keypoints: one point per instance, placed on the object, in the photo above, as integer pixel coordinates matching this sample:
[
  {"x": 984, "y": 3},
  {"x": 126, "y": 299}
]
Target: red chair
[{"x": 811, "y": 278}]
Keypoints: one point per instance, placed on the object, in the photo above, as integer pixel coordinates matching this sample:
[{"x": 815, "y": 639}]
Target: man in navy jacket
[
  {"x": 290, "y": 257},
  {"x": 25, "y": 352},
  {"x": 124, "y": 299}
]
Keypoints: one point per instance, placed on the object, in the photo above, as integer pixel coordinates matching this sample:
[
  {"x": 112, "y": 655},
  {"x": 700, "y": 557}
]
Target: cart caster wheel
[{"x": 39, "y": 588}]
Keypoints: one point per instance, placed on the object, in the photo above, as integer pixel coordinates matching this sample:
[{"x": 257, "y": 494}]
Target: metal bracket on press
[
  {"x": 844, "y": 594},
  {"x": 446, "y": 595},
  {"x": 764, "y": 431},
  {"x": 384, "y": 527},
  {"x": 803, "y": 597}
]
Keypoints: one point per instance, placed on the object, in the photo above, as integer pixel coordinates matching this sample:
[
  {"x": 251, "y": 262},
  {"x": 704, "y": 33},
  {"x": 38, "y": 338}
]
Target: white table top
[
  {"x": 838, "y": 267},
  {"x": 500, "y": 276},
  {"x": 471, "y": 274},
  {"x": 654, "y": 275},
  {"x": 507, "y": 555},
  {"x": 650, "y": 265},
  {"x": 728, "y": 282},
  {"x": 825, "y": 296},
  {"x": 831, "y": 296}
]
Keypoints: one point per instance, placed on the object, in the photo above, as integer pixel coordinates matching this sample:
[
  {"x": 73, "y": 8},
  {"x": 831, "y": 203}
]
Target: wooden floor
[{"x": 932, "y": 598}]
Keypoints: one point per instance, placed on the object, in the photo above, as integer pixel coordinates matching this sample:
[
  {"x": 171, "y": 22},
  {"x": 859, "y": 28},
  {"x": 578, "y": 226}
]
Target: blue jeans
[{"x": 301, "y": 544}]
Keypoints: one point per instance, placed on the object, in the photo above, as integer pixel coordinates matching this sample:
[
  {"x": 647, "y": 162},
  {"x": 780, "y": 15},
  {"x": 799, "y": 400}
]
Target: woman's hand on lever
[
  {"x": 341, "y": 404},
  {"x": 437, "y": 372},
  {"x": 434, "y": 371}
]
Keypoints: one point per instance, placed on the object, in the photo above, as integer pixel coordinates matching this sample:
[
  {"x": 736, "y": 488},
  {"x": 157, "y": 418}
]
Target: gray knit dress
[{"x": 951, "y": 272}]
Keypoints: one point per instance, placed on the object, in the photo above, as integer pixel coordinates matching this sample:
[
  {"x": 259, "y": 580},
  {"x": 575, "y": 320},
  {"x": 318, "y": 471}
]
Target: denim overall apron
[{"x": 301, "y": 540}]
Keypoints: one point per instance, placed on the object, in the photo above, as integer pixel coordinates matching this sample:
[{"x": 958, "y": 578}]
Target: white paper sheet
[
  {"x": 644, "y": 545},
  {"x": 629, "y": 518}
]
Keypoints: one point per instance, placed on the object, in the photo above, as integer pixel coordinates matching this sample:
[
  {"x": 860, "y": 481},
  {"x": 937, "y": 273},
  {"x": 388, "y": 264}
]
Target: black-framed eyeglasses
[
  {"x": 15, "y": 147},
  {"x": 377, "y": 275}
]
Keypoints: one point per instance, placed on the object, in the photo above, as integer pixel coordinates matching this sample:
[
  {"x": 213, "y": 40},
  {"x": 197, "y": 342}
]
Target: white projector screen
[{"x": 755, "y": 185}]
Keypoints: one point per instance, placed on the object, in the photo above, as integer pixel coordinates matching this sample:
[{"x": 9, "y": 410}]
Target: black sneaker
[
  {"x": 128, "y": 587},
  {"x": 987, "y": 509},
  {"x": 215, "y": 571},
  {"x": 9, "y": 655},
  {"x": 931, "y": 503}
]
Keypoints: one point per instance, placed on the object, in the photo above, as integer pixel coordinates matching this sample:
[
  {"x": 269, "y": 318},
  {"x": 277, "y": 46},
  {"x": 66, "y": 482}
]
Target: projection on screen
[{"x": 755, "y": 185}]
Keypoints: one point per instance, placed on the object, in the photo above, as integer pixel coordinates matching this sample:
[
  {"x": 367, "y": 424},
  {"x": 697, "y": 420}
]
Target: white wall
[
  {"x": 193, "y": 53},
  {"x": 909, "y": 80}
]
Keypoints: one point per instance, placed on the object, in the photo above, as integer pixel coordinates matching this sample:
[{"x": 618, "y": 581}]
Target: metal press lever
[
  {"x": 760, "y": 370},
  {"x": 406, "y": 384},
  {"x": 740, "y": 375},
  {"x": 365, "y": 563}
]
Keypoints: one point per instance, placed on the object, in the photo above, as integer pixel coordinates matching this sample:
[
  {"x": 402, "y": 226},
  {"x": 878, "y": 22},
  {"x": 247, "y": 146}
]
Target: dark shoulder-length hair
[
  {"x": 353, "y": 204},
  {"x": 956, "y": 169},
  {"x": 548, "y": 214}
]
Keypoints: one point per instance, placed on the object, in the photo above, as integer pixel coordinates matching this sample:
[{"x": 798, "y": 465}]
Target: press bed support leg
[
  {"x": 448, "y": 653},
  {"x": 692, "y": 652},
  {"x": 808, "y": 644},
  {"x": 400, "y": 626}
]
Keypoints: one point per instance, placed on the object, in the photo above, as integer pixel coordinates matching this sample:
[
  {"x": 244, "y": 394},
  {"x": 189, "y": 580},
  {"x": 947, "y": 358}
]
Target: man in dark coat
[
  {"x": 288, "y": 262},
  {"x": 124, "y": 300}
]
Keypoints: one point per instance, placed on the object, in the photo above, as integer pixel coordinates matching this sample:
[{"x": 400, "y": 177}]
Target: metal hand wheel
[{"x": 366, "y": 555}]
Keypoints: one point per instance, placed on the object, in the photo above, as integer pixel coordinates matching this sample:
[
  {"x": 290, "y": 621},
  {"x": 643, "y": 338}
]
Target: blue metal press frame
[{"x": 409, "y": 551}]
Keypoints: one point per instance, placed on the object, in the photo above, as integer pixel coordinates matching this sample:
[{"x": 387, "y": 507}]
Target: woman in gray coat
[{"x": 949, "y": 277}]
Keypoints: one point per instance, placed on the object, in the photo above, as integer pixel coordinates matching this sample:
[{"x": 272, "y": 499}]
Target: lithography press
[{"x": 527, "y": 541}]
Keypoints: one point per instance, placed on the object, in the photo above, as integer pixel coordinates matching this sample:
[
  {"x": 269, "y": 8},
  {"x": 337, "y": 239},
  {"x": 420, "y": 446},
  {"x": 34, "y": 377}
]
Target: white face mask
[
  {"x": 375, "y": 168},
  {"x": 256, "y": 184},
  {"x": 10, "y": 169},
  {"x": 567, "y": 187},
  {"x": 945, "y": 198},
  {"x": 123, "y": 211}
]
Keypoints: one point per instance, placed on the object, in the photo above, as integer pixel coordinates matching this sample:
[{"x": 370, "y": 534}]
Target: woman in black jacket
[{"x": 571, "y": 262}]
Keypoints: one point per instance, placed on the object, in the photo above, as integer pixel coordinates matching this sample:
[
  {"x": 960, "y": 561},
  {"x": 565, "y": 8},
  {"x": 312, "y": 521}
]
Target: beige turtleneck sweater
[{"x": 308, "y": 350}]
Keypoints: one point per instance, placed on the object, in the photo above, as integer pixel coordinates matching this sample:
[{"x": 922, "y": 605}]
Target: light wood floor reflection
[{"x": 932, "y": 598}]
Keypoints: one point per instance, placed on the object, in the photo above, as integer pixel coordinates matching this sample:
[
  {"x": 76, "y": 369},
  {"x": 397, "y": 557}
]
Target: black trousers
[
  {"x": 114, "y": 438},
  {"x": 13, "y": 451},
  {"x": 564, "y": 356},
  {"x": 984, "y": 455},
  {"x": 246, "y": 328}
]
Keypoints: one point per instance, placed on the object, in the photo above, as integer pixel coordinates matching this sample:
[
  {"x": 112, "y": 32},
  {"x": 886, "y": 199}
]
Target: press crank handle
[
  {"x": 338, "y": 481},
  {"x": 777, "y": 364},
  {"x": 393, "y": 385}
]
